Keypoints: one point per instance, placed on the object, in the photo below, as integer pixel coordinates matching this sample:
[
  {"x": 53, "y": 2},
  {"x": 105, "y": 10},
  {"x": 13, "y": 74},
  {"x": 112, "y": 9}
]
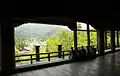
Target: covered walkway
[
  {"x": 66, "y": 14},
  {"x": 108, "y": 65}
]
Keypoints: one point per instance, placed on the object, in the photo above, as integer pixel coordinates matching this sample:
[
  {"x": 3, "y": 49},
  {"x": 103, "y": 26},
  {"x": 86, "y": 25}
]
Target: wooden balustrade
[
  {"x": 47, "y": 53},
  {"x": 47, "y": 56}
]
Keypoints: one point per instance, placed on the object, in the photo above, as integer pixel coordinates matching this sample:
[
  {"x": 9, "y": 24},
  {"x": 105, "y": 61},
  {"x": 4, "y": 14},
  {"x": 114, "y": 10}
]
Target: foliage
[
  {"x": 93, "y": 38},
  {"x": 66, "y": 39},
  {"x": 61, "y": 37},
  {"x": 82, "y": 38},
  {"x": 16, "y": 51},
  {"x": 108, "y": 38}
]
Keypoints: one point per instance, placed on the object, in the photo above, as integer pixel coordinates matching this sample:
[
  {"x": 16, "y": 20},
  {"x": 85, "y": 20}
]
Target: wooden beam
[
  {"x": 105, "y": 44},
  {"x": 37, "y": 53},
  {"x": 101, "y": 41},
  {"x": 7, "y": 47},
  {"x": 117, "y": 38},
  {"x": 88, "y": 35},
  {"x": 75, "y": 35},
  {"x": 59, "y": 51},
  {"x": 46, "y": 20},
  {"x": 75, "y": 39},
  {"x": 112, "y": 40},
  {"x": 97, "y": 40}
]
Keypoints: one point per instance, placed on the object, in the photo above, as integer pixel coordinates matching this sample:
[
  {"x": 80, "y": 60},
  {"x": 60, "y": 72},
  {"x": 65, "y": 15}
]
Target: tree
[
  {"x": 63, "y": 37},
  {"x": 52, "y": 43},
  {"x": 20, "y": 42},
  {"x": 93, "y": 38},
  {"x": 108, "y": 38},
  {"x": 82, "y": 38},
  {"x": 66, "y": 39}
]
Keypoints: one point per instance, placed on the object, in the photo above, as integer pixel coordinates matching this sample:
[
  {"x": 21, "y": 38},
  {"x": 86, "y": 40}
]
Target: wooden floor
[{"x": 108, "y": 65}]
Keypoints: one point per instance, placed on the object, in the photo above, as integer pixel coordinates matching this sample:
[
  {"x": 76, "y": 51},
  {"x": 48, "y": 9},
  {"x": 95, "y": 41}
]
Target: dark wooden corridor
[{"x": 108, "y": 65}]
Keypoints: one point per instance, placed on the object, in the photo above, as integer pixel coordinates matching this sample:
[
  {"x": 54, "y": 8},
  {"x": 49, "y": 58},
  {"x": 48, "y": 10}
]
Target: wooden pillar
[
  {"x": 112, "y": 40},
  {"x": 117, "y": 38},
  {"x": 75, "y": 39},
  {"x": 0, "y": 47},
  {"x": 59, "y": 51},
  {"x": 7, "y": 46},
  {"x": 105, "y": 38},
  {"x": 74, "y": 28},
  {"x": 101, "y": 41},
  {"x": 37, "y": 53},
  {"x": 97, "y": 39},
  {"x": 88, "y": 36}
]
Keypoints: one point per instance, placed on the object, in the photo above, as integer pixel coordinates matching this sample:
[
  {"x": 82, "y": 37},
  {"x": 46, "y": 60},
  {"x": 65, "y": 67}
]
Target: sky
[{"x": 84, "y": 26}]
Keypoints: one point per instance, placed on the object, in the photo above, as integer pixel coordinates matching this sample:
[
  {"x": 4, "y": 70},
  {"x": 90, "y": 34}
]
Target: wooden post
[
  {"x": 75, "y": 39},
  {"x": 63, "y": 54},
  {"x": 97, "y": 39},
  {"x": 105, "y": 45},
  {"x": 7, "y": 51},
  {"x": 88, "y": 36},
  {"x": 59, "y": 50},
  {"x": 101, "y": 41},
  {"x": 37, "y": 53},
  {"x": 112, "y": 40},
  {"x": 117, "y": 38},
  {"x": 74, "y": 28},
  {"x": 48, "y": 56},
  {"x": 31, "y": 59}
]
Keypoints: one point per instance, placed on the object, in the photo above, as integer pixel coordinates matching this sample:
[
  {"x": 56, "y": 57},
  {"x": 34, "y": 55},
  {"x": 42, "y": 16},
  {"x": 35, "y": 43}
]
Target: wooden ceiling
[{"x": 101, "y": 15}]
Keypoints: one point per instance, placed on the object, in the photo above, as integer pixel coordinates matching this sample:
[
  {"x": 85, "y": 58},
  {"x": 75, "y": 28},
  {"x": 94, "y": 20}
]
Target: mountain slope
[{"x": 36, "y": 31}]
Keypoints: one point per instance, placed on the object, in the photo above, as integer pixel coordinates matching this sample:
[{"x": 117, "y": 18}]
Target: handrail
[
  {"x": 39, "y": 54},
  {"x": 48, "y": 53}
]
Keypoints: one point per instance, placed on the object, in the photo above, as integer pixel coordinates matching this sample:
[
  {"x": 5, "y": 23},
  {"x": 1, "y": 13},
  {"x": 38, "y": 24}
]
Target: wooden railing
[
  {"x": 38, "y": 55},
  {"x": 48, "y": 56}
]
